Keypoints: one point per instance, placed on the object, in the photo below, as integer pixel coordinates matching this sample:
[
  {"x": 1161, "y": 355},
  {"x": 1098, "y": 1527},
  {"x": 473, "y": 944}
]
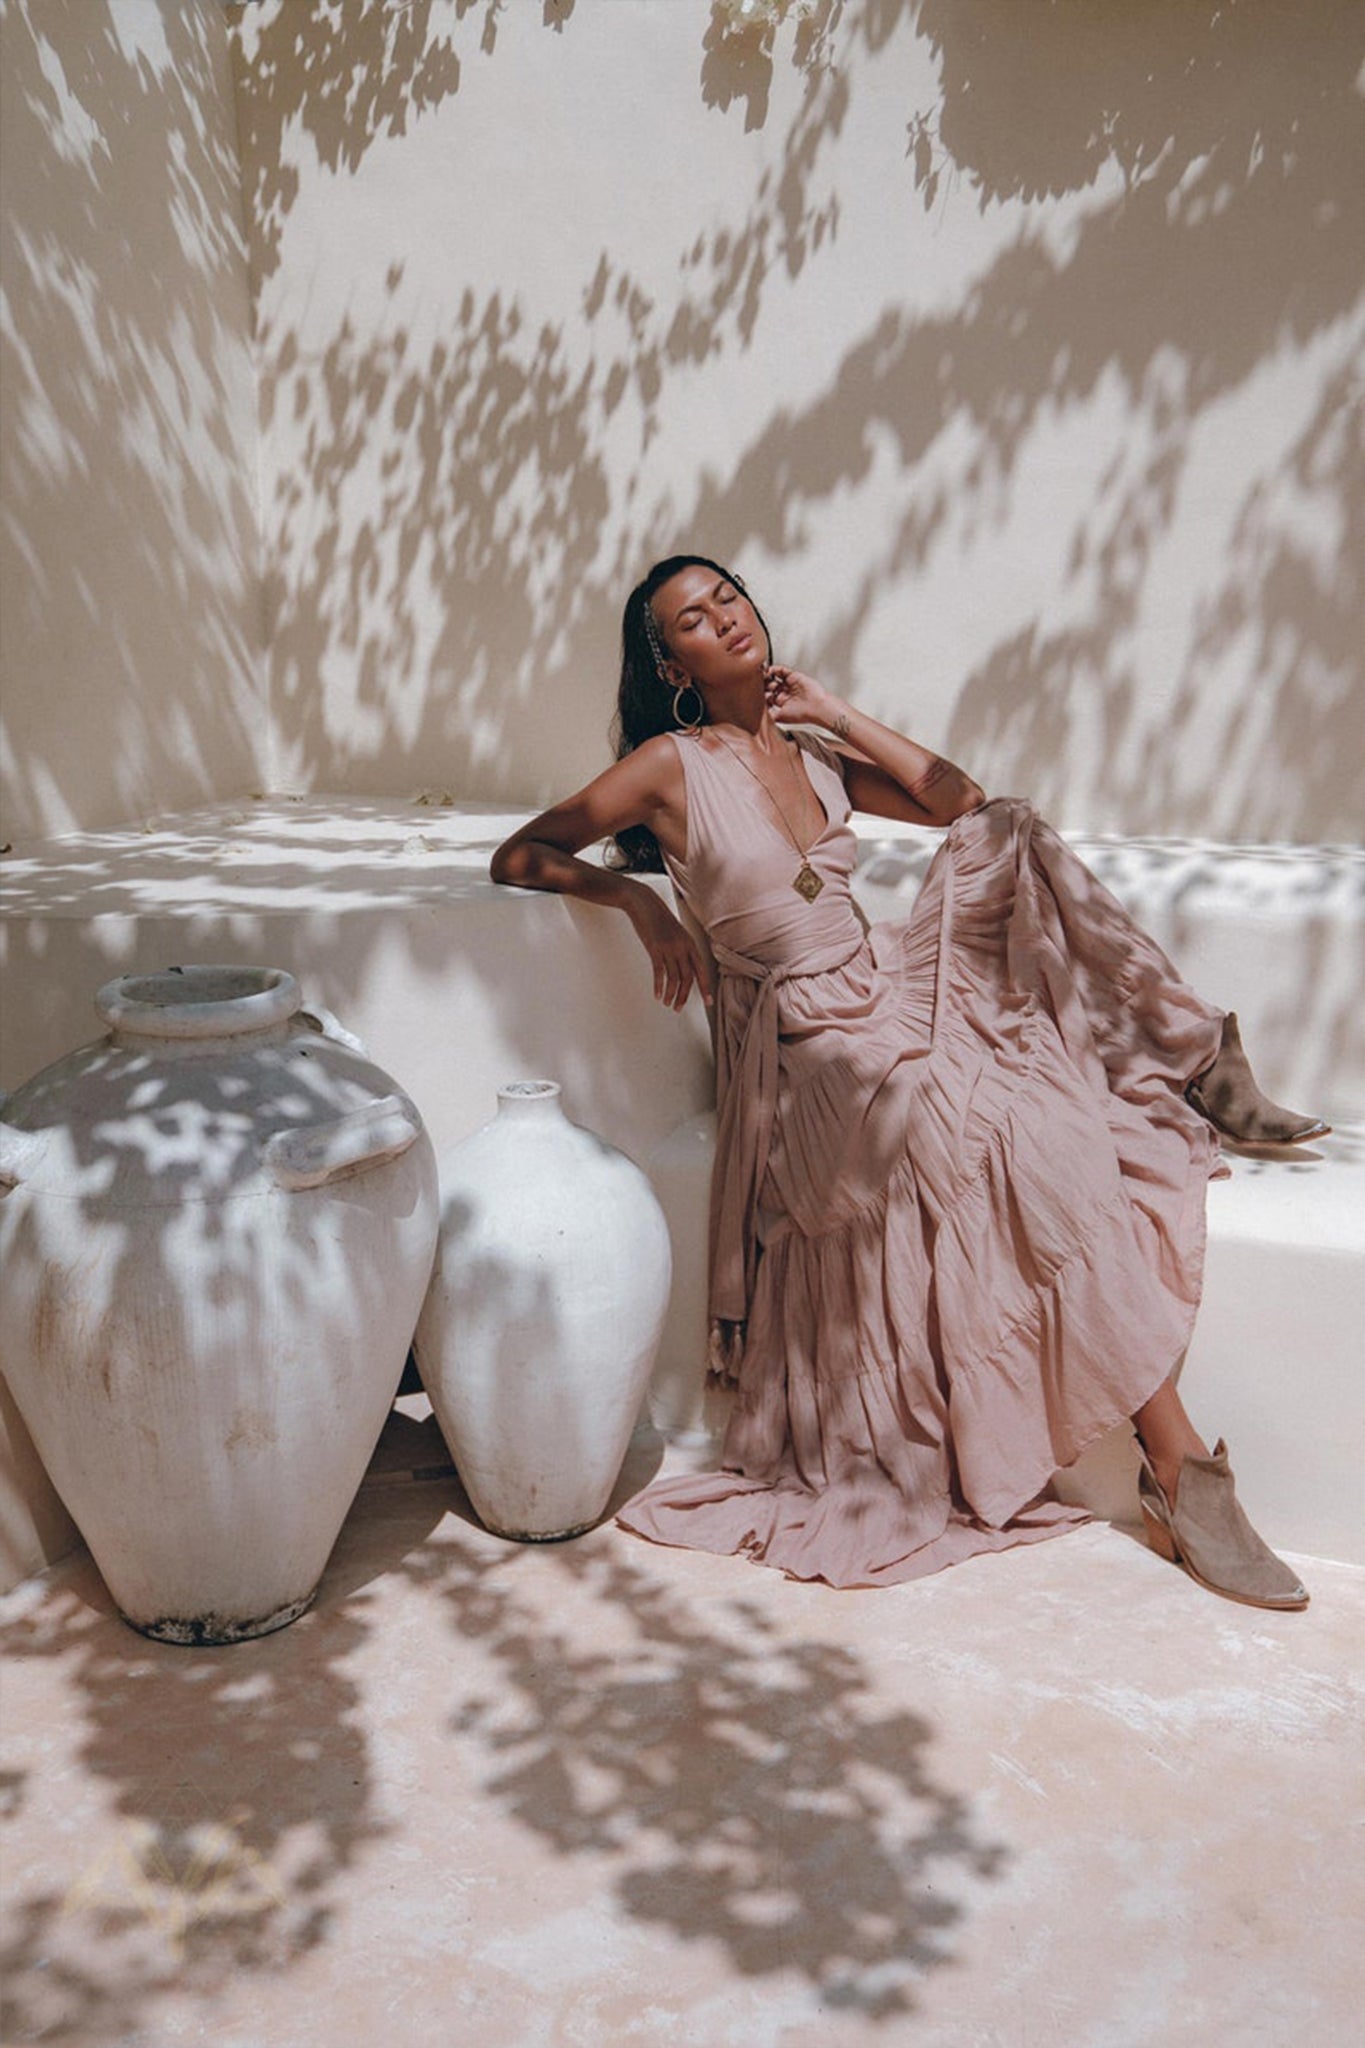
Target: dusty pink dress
[{"x": 958, "y": 1198}]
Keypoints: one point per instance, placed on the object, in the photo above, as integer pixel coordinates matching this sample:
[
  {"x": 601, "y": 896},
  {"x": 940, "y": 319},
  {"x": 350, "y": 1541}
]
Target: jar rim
[{"x": 199, "y": 1001}]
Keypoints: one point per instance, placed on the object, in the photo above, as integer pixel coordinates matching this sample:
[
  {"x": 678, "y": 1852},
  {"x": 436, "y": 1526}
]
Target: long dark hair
[{"x": 644, "y": 702}]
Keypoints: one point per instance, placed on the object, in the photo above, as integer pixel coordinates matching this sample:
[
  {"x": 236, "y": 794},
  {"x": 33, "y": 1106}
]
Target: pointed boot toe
[{"x": 1228, "y": 1096}]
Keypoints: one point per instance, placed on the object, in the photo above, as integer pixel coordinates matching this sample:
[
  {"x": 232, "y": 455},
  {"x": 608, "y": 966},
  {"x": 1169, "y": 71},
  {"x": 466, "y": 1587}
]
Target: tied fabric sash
[{"x": 746, "y": 1090}]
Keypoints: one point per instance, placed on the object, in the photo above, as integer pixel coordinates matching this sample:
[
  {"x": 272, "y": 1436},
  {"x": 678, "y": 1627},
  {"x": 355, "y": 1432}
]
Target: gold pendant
[{"x": 808, "y": 883}]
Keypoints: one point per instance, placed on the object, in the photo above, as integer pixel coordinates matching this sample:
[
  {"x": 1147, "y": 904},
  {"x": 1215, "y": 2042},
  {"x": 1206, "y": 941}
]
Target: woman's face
[{"x": 709, "y": 627}]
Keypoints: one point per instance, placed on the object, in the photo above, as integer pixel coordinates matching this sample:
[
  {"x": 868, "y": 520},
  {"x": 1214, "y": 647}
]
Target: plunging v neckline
[{"x": 788, "y": 839}]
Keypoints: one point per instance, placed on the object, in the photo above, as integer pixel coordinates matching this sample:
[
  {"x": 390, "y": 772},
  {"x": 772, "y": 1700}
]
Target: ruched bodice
[{"x": 957, "y": 1204}]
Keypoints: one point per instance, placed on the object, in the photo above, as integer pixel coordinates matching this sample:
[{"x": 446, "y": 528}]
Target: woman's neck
[{"x": 744, "y": 714}]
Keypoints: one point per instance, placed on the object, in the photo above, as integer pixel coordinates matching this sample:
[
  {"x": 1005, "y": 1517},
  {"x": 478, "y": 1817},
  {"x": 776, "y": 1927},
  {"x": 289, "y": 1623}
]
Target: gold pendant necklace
[{"x": 807, "y": 883}]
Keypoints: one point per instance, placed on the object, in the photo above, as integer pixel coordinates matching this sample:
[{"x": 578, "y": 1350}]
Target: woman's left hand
[{"x": 798, "y": 699}]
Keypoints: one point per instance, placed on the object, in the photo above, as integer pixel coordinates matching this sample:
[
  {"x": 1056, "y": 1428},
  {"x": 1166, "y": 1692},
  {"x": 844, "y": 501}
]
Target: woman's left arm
[{"x": 884, "y": 772}]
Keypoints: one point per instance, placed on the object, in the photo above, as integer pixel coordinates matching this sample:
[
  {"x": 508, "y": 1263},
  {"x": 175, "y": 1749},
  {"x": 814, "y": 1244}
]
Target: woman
[{"x": 957, "y": 1212}]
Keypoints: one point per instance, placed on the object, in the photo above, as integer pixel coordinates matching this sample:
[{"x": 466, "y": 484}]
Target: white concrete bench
[{"x": 385, "y": 913}]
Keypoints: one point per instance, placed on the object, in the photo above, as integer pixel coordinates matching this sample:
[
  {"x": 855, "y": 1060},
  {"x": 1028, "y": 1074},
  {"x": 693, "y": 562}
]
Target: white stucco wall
[
  {"x": 1013, "y": 354},
  {"x": 130, "y": 657}
]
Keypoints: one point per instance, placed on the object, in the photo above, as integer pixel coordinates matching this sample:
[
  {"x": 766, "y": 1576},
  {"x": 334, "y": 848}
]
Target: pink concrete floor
[{"x": 595, "y": 1794}]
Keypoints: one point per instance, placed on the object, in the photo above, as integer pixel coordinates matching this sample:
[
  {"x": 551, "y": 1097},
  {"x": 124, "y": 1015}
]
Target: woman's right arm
[{"x": 646, "y": 788}]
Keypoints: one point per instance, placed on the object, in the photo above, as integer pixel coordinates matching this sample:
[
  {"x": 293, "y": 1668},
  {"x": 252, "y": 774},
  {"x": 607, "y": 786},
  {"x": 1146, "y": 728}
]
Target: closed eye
[{"x": 724, "y": 593}]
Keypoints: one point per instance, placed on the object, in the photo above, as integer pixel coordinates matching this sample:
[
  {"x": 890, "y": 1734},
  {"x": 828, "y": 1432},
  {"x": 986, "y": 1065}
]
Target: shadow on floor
[
  {"x": 737, "y": 1785},
  {"x": 713, "y": 1776}
]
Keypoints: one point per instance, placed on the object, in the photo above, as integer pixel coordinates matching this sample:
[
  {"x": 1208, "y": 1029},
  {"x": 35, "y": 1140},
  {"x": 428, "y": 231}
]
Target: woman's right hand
[{"x": 677, "y": 960}]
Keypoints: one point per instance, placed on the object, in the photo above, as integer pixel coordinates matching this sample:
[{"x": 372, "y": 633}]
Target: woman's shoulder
[
  {"x": 660, "y": 750},
  {"x": 654, "y": 763},
  {"x": 659, "y": 763},
  {"x": 654, "y": 780}
]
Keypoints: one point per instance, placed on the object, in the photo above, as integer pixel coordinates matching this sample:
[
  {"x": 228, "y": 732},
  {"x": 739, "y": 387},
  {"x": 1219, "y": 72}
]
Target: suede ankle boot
[
  {"x": 1226, "y": 1095},
  {"x": 1208, "y": 1533}
]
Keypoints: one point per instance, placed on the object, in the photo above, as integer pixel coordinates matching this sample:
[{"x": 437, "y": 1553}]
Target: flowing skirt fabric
[{"x": 980, "y": 1226}]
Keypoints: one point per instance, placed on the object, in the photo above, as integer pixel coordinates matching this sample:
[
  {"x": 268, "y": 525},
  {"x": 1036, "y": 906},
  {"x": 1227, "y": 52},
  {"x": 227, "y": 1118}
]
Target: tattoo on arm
[{"x": 840, "y": 726}]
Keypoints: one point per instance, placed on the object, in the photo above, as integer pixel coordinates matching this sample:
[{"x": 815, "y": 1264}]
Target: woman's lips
[{"x": 740, "y": 643}]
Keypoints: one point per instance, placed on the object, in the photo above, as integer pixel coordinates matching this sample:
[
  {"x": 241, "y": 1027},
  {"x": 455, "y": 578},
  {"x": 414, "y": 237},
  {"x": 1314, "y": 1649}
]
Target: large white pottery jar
[
  {"x": 216, "y": 1229},
  {"x": 545, "y": 1306}
]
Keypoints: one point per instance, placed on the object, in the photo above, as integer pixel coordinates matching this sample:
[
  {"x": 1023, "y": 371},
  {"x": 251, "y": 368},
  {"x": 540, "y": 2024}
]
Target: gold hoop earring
[{"x": 686, "y": 725}]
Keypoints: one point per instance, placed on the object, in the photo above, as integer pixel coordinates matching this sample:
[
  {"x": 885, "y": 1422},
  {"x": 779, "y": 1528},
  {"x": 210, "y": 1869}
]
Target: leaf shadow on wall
[
  {"x": 130, "y": 524},
  {"x": 349, "y": 82},
  {"x": 1234, "y": 238},
  {"x": 442, "y": 550},
  {"x": 1229, "y": 241}
]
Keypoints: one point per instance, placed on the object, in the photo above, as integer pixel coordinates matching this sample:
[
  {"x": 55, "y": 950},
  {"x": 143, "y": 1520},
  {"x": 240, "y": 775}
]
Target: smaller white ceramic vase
[{"x": 540, "y": 1325}]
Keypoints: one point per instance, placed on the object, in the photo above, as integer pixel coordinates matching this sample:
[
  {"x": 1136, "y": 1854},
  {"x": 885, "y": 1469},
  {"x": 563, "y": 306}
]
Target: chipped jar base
[{"x": 210, "y": 1631}]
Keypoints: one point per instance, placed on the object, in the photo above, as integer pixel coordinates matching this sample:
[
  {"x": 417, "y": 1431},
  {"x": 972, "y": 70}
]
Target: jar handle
[
  {"x": 317, "y": 1153},
  {"x": 20, "y": 1152},
  {"x": 332, "y": 1027}
]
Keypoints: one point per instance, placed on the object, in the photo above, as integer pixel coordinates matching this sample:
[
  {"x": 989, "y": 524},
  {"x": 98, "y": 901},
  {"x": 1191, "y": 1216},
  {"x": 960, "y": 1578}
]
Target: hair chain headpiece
[{"x": 656, "y": 646}]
